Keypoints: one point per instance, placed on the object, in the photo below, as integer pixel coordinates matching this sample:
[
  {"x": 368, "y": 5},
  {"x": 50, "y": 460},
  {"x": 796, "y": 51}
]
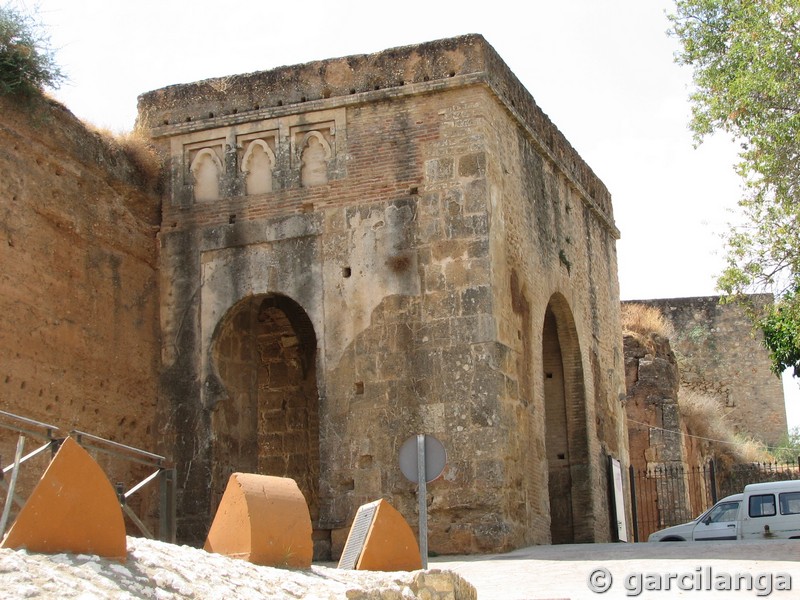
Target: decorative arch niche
[
  {"x": 206, "y": 170},
  {"x": 257, "y": 165},
  {"x": 315, "y": 154}
]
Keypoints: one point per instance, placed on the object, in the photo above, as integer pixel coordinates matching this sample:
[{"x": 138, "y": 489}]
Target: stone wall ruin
[
  {"x": 720, "y": 355},
  {"x": 674, "y": 436},
  {"x": 350, "y": 252}
]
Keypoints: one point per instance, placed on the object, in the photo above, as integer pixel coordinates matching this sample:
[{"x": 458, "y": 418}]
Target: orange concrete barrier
[
  {"x": 264, "y": 520},
  {"x": 73, "y": 508},
  {"x": 388, "y": 544}
]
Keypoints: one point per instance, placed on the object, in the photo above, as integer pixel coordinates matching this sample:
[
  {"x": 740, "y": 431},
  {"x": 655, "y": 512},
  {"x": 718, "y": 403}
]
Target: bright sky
[{"x": 603, "y": 70}]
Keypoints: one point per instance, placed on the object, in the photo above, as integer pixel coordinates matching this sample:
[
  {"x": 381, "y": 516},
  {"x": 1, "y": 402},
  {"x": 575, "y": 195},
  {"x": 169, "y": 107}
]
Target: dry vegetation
[
  {"x": 705, "y": 418},
  {"x": 644, "y": 322},
  {"x": 140, "y": 153}
]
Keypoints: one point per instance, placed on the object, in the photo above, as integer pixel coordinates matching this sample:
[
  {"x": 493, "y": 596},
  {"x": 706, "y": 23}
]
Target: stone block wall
[
  {"x": 652, "y": 378},
  {"x": 661, "y": 451},
  {"x": 719, "y": 354},
  {"x": 713, "y": 351},
  {"x": 79, "y": 329},
  {"x": 357, "y": 250},
  {"x": 554, "y": 279}
]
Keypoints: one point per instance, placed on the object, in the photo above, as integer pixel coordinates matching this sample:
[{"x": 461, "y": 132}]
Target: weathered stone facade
[
  {"x": 720, "y": 355},
  {"x": 357, "y": 250}
]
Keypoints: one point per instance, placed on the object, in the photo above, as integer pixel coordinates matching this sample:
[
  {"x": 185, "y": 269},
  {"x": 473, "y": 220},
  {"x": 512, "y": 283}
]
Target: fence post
[
  {"x": 713, "y": 476},
  {"x": 634, "y": 513},
  {"x": 12, "y": 485},
  {"x": 167, "y": 505}
]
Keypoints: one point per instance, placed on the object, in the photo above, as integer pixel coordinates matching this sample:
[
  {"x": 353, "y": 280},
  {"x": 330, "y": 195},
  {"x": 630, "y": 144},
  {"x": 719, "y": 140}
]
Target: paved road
[{"x": 679, "y": 569}]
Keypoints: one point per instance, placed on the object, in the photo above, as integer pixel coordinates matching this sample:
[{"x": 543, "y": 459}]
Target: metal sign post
[
  {"x": 422, "y": 498},
  {"x": 422, "y": 459}
]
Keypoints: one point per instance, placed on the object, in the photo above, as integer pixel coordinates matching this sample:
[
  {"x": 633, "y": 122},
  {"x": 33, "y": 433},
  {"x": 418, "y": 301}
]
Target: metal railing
[
  {"x": 26, "y": 428},
  {"x": 670, "y": 494},
  {"x": 163, "y": 473}
]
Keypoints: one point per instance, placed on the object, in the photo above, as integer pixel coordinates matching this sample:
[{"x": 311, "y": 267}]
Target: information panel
[
  {"x": 358, "y": 535},
  {"x": 619, "y": 500}
]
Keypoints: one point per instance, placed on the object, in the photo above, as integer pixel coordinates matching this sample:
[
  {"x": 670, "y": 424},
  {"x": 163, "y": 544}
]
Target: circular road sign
[{"x": 435, "y": 458}]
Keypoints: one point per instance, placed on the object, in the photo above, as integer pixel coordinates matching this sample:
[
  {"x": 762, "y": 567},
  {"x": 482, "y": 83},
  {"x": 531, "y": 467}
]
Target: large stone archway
[
  {"x": 566, "y": 438},
  {"x": 264, "y": 352},
  {"x": 395, "y": 241}
]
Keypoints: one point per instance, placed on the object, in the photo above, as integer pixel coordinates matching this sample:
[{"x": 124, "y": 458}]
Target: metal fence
[
  {"x": 666, "y": 495},
  {"x": 49, "y": 437}
]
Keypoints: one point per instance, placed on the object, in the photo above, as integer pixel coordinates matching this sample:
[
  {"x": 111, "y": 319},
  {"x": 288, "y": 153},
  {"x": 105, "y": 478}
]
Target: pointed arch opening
[
  {"x": 566, "y": 441},
  {"x": 264, "y": 352}
]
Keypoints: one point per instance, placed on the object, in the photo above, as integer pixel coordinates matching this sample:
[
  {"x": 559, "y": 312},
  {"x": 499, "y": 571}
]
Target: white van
[
  {"x": 770, "y": 511},
  {"x": 762, "y": 511},
  {"x": 720, "y": 522}
]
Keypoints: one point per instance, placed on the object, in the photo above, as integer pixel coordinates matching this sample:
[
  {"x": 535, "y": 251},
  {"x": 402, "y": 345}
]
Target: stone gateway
[{"x": 357, "y": 250}]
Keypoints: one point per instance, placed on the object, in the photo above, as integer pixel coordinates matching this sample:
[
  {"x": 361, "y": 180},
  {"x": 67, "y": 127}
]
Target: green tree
[
  {"x": 745, "y": 56},
  {"x": 788, "y": 449},
  {"x": 27, "y": 62}
]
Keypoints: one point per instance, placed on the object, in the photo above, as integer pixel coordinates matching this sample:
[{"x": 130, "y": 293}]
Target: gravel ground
[
  {"x": 679, "y": 569},
  {"x": 657, "y": 571},
  {"x": 157, "y": 571}
]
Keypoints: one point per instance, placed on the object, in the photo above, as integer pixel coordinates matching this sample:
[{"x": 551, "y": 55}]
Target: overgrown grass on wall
[
  {"x": 705, "y": 419},
  {"x": 139, "y": 151},
  {"x": 642, "y": 321}
]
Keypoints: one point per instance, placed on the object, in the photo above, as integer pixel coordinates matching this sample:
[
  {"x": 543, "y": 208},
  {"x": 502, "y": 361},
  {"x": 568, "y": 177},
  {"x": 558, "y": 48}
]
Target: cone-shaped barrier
[
  {"x": 264, "y": 520},
  {"x": 73, "y": 508},
  {"x": 380, "y": 540}
]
